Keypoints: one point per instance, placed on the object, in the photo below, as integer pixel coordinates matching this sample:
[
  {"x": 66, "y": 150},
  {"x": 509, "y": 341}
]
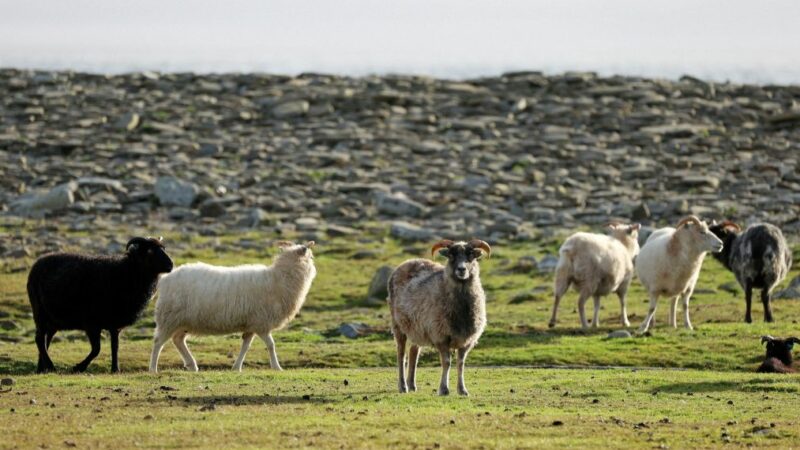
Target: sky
[{"x": 741, "y": 41}]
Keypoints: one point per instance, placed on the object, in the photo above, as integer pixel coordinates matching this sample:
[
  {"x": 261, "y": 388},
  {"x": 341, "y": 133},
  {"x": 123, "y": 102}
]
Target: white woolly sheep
[
  {"x": 252, "y": 299},
  {"x": 597, "y": 265},
  {"x": 439, "y": 306},
  {"x": 669, "y": 264}
]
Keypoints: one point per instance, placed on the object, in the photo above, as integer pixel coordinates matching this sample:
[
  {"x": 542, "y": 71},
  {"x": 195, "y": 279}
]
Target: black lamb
[
  {"x": 779, "y": 355},
  {"x": 92, "y": 293},
  {"x": 759, "y": 258}
]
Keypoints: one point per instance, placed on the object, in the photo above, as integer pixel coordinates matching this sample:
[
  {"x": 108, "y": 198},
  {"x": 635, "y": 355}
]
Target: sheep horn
[
  {"x": 441, "y": 244},
  {"x": 794, "y": 340},
  {"x": 135, "y": 241},
  {"x": 310, "y": 244},
  {"x": 477, "y": 243},
  {"x": 689, "y": 219},
  {"x": 766, "y": 338},
  {"x": 613, "y": 224},
  {"x": 283, "y": 244},
  {"x": 731, "y": 225}
]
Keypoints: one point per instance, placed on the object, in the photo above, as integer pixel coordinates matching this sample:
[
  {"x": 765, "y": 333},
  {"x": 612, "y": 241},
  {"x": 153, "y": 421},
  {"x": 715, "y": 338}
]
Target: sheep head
[
  {"x": 298, "y": 250},
  {"x": 780, "y": 348},
  {"x": 627, "y": 234},
  {"x": 150, "y": 253},
  {"x": 698, "y": 233},
  {"x": 725, "y": 229},
  {"x": 462, "y": 257}
]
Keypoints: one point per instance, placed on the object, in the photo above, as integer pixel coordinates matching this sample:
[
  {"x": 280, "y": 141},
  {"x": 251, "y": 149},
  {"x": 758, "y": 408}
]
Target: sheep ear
[
  {"x": 283, "y": 244},
  {"x": 310, "y": 244},
  {"x": 635, "y": 227}
]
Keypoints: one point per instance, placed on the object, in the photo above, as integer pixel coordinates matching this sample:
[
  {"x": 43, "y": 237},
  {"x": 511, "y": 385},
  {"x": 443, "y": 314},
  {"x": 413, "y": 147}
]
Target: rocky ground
[{"x": 501, "y": 157}]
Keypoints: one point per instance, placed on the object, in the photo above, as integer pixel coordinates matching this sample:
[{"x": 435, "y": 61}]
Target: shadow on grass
[
  {"x": 10, "y": 366},
  {"x": 754, "y": 385}
]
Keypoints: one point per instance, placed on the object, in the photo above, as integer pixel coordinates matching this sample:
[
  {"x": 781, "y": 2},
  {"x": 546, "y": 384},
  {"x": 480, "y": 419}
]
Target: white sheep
[
  {"x": 253, "y": 299},
  {"x": 669, "y": 264},
  {"x": 597, "y": 265}
]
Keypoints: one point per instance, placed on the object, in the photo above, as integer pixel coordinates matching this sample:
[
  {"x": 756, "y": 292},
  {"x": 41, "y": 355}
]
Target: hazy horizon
[{"x": 721, "y": 40}]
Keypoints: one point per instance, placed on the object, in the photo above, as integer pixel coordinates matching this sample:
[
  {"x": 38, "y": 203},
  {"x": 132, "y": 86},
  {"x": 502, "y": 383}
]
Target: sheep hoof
[
  {"x": 412, "y": 387},
  {"x": 78, "y": 368},
  {"x": 444, "y": 391},
  {"x": 748, "y": 319},
  {"x": 626, "y": 324},
  {"x": 551, "y": 324},
  {"x": 402, "y": 388},
  {"x": 463, "y": 391}
]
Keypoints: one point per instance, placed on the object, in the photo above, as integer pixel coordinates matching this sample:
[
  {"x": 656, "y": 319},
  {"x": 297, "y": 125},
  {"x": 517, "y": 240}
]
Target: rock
[
  {"x": 354, "y": 330},
  {"x": 7, "y": 381},
  {"x": 173, "y": 191},
  {"x": 792, "y": 292},
  {"x": 547, "y": 264},
  {"x": 212, "y": 208},
  {"x": 127, "y": 122},
  {"x": 56, "y": 199},
  {"x": 255, "y": 218},
  {"x": 399, "y": 205},
  {"x": 730, "y": 286},
  {"x": 619, "y": 334},
  {"x": 338, "y": 231},
  {"x": 378, "y": 286},
  {"x": 208, "y": 407},
  {"x": 410, "y": 232},
  {"x": 306, "y": 224},
  {"x": 290, "y": 109},
  {"x": 9, "y": 325},
  {"x": 641, "y": 212}
]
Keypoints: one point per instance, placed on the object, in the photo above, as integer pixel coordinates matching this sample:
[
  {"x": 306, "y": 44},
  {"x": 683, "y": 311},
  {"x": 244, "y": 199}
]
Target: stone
[
  {"x": 547, "y": 264},
  {"x": 290, "y": 109},
  {"x": 128, "y": 122},
  {"x": 641, "y": 212},
  {"x": 56, "y": 199},
  {"x": 7, "y": 381},
  {"x": 339, "y": 231},
  {"x": 411, "y": 232},
  {"x": 619, "y": 334},
  {"x": 9, "y": 325},
  {"x": 212, "y": 208},
  {"x": 173, "y": 191},
  {"x": 354, "y": 330},
  {"x": 378, "y": 289},
  {"x": 399, "y": 205},
  {"x": 792, "y": 292}
]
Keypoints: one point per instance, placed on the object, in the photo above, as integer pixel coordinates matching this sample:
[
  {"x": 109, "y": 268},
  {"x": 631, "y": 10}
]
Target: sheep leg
[
  {"x": 273, "y": 354},
  {"x": 673, "y": 312},
  {"x": 561, "y": 285},
  {"x": 748, "y": 298},
  {"x": 623, "y": 307},
  {"x": 767, "y": 307},
  {"x": 462, "y": 357},
  {"x": 413, "y": 358},
  {"x": 114, "y": 350},
  {"x": 444, "y": 357},
  {"x": 159, "y": 340},
  {"x": 596, "y": 318},
  {"x": 247, "y": 339},
  {"x": 50, "y": 336},
  {"x": 94, "y": 341},
  {"x": 179, "y": 339},
  {"x": 582, "y": 309},
  {"x": 400, "y": 339},
  {"x": 45, "y": 364},
  {"x": 686, "y": 322},
  {"x": 651, "y": 313}
]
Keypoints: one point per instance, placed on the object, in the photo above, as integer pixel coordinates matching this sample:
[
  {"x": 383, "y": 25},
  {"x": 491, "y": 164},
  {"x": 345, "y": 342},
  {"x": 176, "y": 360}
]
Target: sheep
[
  {"x": 759, "y": 258},
  {"x": 69, "y": 291},
  {"x": 597, "y": 264},
  {"x": 439, "y": 306},
  {"x": 255, "y": 299},
  {"x": 669, "y": 264},
  {"x": 779, "y": 355}
]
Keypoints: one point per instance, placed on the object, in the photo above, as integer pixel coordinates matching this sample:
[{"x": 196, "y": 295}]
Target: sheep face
[
  {"x": 627, "y": 234},
  {"x": 462, "y": 258},
  {"x": 150, "y": 253},
  {"x": 297, "y": 252},
  {"x": 780, "y": 348},
  {"x": 697, "y": 232}
]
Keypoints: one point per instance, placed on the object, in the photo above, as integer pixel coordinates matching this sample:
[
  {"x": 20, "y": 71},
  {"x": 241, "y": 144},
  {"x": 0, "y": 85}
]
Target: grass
[{"x": 260, "y": 408}]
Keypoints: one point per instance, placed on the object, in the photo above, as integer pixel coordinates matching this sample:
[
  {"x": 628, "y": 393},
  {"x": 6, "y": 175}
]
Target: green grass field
[{"x": 705, "y": 393}]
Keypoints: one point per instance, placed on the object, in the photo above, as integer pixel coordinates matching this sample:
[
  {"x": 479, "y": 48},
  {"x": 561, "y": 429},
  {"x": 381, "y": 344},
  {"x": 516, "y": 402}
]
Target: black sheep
[
  {"x": 92, "y": 293},
  {"x": 779, "y": 355},
  {"x": 759, "y": 258}
]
